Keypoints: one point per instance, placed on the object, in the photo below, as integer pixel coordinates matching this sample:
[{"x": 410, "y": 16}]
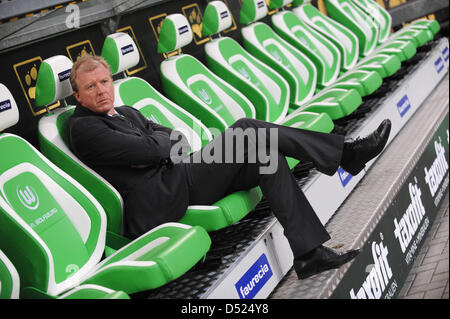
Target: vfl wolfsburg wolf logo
[
  {"x": 204, "y": 96},
  {"x": 28, "y": 197}
]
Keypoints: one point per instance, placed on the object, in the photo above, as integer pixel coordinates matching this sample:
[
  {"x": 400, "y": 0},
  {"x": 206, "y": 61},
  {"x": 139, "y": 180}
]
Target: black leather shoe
[
  {"x": 321, "y": 259},
  {"x": 358, "y": 152}
]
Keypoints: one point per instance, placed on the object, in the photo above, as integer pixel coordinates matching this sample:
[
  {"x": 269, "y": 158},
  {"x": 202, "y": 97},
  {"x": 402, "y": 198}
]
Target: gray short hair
[{"x": 87, "y": 62}]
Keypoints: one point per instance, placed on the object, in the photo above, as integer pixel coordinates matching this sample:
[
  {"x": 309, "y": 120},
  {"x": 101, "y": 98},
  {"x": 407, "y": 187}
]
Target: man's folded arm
[
  {"x": 178, "y": 140},
  {"x": 98, "y": 143},
  {"x": 157, "y": 127}
]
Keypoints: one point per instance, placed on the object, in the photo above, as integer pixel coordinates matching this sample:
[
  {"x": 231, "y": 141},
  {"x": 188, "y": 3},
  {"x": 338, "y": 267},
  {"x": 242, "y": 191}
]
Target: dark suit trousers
[{"x": 209, "y": 182}]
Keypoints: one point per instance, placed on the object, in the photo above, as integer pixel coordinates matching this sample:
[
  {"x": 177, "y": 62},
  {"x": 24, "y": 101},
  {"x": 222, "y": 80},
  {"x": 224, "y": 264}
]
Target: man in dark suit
[{"x": 133, "y": 154}]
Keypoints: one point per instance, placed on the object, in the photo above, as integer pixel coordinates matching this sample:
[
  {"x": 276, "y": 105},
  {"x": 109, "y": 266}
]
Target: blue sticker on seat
[
  {"x": 5, "y": 105},
  {"x": 64, "y": 75},
  {"x": 183, "y": 29},
  {"x": 127, "y": 49}
]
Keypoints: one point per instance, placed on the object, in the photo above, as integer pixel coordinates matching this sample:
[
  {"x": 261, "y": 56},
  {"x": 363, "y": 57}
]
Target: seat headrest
[
  {"x": 53, "y": 80},
  {"x": 297, "y": 3},
  {"x": 217, "y": 18},
  {"x": 253, "y": 10},
  {"x": 9, "y": 114},
  {"x": 175, "y": 33},
  {"x": 277, "y": 4},
  {"x": 120, "y": 51}
]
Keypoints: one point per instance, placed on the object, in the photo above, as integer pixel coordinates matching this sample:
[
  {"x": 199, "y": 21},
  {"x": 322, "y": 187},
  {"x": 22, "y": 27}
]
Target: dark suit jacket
[{"x": 115, "y": 147}]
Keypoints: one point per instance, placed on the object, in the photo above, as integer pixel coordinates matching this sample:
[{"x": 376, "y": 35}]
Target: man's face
[{"x": 95, "y": 90}]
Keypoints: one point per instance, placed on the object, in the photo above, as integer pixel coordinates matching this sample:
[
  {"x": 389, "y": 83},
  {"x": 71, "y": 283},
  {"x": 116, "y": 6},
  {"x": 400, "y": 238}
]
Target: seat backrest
[
  {"x": 51, "y": 228},
  {"x": 320, "y": 50},
  {"x": 265, "y": 88},
  {"x": 54, "y": 141},
  {"x": 350, "y": 15},
  {"x": 193, "y": 86},
  {"x": 382, "y": 18},
  {"x": 9, "y": 279},
  {"x": 261, "y": 41},
  {"x": 120, "y": 50},
  {"x": 379, "y": 15},
  {"x": 339, "y": 35}
]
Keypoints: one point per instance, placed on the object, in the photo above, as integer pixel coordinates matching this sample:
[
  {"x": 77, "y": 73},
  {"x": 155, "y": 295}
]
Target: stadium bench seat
[
  {"x": 267, "y": 91},
  {"x": 264, "y": 87},
  {"x": 54, "y": 231},
  {"x": 322, "y": 52},
  {"x": 346, "y": 41},
  {"x": 192, "y": 85},
  {"x": 296, "y": 68}
]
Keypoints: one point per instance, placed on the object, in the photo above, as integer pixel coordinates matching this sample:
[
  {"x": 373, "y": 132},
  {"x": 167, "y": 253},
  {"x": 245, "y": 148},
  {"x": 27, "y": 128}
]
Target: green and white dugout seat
[
  {"x": 193, "y": 86},
  {"x": 322, "y": 52},
  {"x": 265, "y": 88},
  {"x": 53, "y": 138},
  {"x": 364, "y": 19},
  {"x": 347, "y": 43},
  {"x": 301, "y": 74},
  {"x": 54, "y": 231}
]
